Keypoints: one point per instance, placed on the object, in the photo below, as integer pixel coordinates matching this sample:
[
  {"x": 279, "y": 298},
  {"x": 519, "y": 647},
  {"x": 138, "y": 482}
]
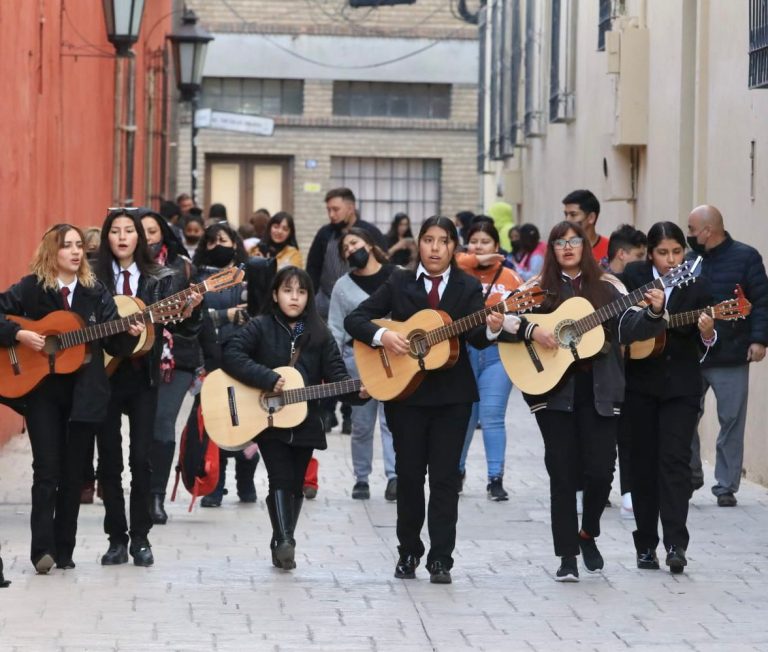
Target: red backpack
[{"x": 198, "y": 465}]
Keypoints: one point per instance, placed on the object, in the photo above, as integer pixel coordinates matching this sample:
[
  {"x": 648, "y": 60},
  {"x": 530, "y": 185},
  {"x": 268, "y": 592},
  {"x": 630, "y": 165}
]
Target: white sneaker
[
  {"x": 627, "y": 511},
  {"x": 579, "y": 502}
]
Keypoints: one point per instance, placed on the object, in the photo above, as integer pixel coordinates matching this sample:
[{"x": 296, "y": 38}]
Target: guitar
[
  {"x": 728, "y": 310},
  {"x": 65, "y": 349},
  {"x": 433, "y": 344},
  {"x": 127, "y": 306},
  {"x": 234, "y": 413},
  {"x": 576, "y": 327}
]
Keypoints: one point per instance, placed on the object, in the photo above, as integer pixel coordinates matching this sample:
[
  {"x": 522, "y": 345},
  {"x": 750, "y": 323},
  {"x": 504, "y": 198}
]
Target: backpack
[{"x": 198, "y": 465}]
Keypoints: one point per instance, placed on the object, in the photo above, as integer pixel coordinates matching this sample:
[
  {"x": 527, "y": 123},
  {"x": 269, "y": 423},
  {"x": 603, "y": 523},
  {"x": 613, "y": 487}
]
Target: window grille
[
  {"x": 604, "y": 22},
  {"x": 391, "y": 100},
  {"x": 758, "y": 43},
  {"x": 562, "y": 61},
  {"x": 253, "y": 96}
]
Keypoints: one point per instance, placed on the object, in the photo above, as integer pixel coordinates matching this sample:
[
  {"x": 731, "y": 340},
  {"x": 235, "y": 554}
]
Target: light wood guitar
[
  {"x": 433, "y": 343},
  {"x": 234, "y": 413},
  {"x": 127, "y": 306},
  {"x": 728, "y": 310},
  {"x": 577, "y": 328},
  {"x": 66, "y": 340}
]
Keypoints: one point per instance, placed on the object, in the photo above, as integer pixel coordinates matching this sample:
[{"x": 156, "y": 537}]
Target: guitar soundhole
[
  {"x": 417, "y": 341},
  {"x": 271, "y": 403},
  {"x": 566, "y": 334},
  {"x": 51, "y": 345}
]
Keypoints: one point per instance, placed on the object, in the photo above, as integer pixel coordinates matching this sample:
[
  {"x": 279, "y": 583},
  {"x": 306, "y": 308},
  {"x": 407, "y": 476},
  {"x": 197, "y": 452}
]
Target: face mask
[
  {"x": 515, "y": 246},
  {"x": 192, "y": 239},
  {"x": 693, "y": 243},
  {"x": 221, "y": 256},
  {"x": 155, "y": 248},
  {"x": 358, "y": 259}
]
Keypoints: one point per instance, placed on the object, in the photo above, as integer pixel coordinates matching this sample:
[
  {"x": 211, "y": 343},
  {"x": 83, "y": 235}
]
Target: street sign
[{"x": 247, "y": 124}]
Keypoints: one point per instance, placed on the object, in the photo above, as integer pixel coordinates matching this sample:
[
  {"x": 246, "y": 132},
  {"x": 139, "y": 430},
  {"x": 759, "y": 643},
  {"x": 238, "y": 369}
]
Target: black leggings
[{"x": 286, "y": 464}]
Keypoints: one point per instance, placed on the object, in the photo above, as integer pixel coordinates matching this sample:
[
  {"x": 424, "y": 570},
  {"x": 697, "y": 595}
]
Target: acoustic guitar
[
  {"x": 433, "y": 344},
  {"x": 65, "y": 349},
  {"x": 728, "y": 310},
  {"x": 127, "y": 306},
  {"x": 577, "y": 328},
  {"x": 234, "y": 413}
]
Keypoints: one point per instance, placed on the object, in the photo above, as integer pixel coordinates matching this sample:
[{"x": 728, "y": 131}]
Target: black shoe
[
  {"x": 727, "y": 500},
  {"x": 310, "y": 492},
  {"x": 141, "y": 552},
  {"x": 496, "y": 491},
  {"x": 117, "y": 554},
  {"x": 285, "y": 544},
  {"x": 330, "y": 421},
  {"x": 64, "y": 562},
  {"x": 361, "y": 491},
  {"x": 647, "y": 560},
  {"x": 390, "y": 493},
  {"x": 696, "y": 484},
  {"x": 593, "y": 560},
  {"x": 460, "y": 485},
  {"x": 346, "y": 426},
  {"x": 44, "y": 563},
  {"x": 568, "y": 571},
  {"x": 406, "y": 567},
  {"x": 439, "y": 574},
  {"x": 4, "y": 583},
  {"x": 676, "y": 560},
  {"x": 157, "y": 509},
  {"x": 213, "y": 499}
]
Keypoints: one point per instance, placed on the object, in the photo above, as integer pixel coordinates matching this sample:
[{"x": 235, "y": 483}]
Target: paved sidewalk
[{"x": 213, "y": 586}]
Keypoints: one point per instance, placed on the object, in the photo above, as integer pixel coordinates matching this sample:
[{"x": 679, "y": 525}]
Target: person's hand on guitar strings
[
  {"x": 544, "y": 338},
  {"x": 30, "y": 339},
  {"x": 279, "y": 385},
  {"x": 706, "y": 326},
  {"x": 137, "y": 329},
  {"x": 494, "y": 321},
  {"x": 194, "y": 300},
  {"x": 364, "y": 393},
  {"x": 394, "y": 342},
  {"x": 655, "y": 298}
]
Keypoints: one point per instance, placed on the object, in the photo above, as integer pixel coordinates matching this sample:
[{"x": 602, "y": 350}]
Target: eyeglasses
[{"x": 572, "y": 243}]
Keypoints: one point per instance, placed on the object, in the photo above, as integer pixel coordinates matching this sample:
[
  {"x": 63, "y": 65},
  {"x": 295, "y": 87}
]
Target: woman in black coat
[
  {"x": 64, "y": 410},
  {"x": 662, "y": 406},
  {"x": 291, "y": 325}
]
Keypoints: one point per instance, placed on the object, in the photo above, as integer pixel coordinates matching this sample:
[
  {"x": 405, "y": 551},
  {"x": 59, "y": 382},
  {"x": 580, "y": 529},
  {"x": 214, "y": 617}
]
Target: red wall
[{"x": 57, "y": 122}]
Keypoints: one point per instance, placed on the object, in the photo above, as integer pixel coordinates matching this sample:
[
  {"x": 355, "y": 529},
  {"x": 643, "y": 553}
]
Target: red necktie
[
  {"x": 64, "y": 294},
  {"x": 433, "y": 297},
  {"x": 127, "y": 283}
]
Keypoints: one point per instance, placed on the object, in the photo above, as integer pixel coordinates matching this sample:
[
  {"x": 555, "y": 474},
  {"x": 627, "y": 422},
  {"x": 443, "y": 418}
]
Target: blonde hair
[
  {"x": 44, "y": 264},
  {"x": 92, "y": 235}
]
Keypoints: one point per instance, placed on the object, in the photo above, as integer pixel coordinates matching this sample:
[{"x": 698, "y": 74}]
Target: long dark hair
[
  {"x": 484, "y": 227},
  {"x": 142, "y": 256},
  {"x": 170, "y": 239},
  {"x": 315, "y": 330},
  {"x": 201, "y": 258},
  {"x": 664, "y": 231},
  {"x": 592, "y": 287},
  {"x": 270, "y": 248},
  {"x": 393, "y": 236},
  {"x": 446, "y": 225},
  {"x": 529, "y": 237},
  {"x": 366, "y": 237}
]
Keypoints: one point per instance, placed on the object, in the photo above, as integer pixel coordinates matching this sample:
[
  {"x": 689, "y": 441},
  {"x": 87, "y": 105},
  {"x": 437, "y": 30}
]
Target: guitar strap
[{"x": 493, "y": 280}]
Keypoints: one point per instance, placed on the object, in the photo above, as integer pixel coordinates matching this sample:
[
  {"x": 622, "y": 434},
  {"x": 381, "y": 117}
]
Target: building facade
[
  {"x": 655, "y": 106},
  {"x": 382, "y": 100}
]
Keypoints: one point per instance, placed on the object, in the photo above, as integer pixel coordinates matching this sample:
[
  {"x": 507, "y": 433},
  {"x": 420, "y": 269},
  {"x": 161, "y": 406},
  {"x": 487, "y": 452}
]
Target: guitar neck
[
  {"x": 324, "y": 390},
  {"x": 97, "y": 331},
  {"x": 615, "y": 308},
  {"x": 689, "y": 317},
  {"x": 464, "y": 324}
]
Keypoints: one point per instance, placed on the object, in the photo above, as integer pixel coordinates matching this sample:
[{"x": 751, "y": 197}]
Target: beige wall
[{"x": 701, "y": 119}]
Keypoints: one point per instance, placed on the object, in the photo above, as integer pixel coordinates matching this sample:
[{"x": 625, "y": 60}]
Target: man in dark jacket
[{"x": 726, "y": 368}]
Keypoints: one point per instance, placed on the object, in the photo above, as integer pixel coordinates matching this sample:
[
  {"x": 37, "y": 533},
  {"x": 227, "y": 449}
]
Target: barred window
[
  {"x": 604, "y": 23},
  {"x": 562, "y": 61},
  {"x": 391, "y": 100},
  {"x": 253, "y": 96},
  {"x": 758, "y": 43}
]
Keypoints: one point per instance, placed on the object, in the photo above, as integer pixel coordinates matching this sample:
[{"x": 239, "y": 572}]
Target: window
[
  {"x": 390, "y": 100},
  {"x": 604, "y": 23},
  {"x": 253, "y": 96},
  {"x": 535, "y": 112},
  {"x": 385, "y": 186},
  {"x": 562, "y": 61},
  {"x": 758, "y": 43}
]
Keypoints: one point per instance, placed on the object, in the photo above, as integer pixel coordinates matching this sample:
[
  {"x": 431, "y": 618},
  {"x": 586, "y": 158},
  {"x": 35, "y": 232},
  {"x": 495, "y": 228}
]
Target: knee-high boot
[
  {"x": 285, "y": 545},
  {"x": 162, "y": 461},
  {"x": 275, "y": 527}
]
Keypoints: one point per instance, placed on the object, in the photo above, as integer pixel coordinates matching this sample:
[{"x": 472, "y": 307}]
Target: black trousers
[
  {"x": 59, "y": 452},
  {"x": 132, "y": 396},
  {"x": 624, "y": 445},
  {"x": 579, "y": 448},
  {"x": 285, "y": 464},
  {"x": 428, "y": 439},
  {"x": 662, "y": 431}
]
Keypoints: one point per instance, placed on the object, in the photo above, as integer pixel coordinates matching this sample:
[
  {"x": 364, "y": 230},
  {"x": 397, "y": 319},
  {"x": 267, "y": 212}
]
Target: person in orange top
[
  {"x": 485, "y": 263},
  {"x": 583, "y": 208}
]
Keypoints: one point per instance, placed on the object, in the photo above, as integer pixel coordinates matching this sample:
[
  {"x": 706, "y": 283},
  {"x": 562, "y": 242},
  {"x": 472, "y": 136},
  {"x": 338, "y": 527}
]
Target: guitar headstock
[
  {"x": 683, "y": 274},
  {"x": 167, "y": 311},
  {"x": 525, "y": 300},
  {"x": 224, "y": 279},
  {"x": 737, "y": 308}
]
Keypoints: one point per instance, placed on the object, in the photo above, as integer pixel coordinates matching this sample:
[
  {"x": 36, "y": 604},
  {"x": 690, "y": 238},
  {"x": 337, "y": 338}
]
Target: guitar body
[
  {"x": 127, "y": 306},
  {"x": 22, "y": 369},
  {"x": 520, "y": 359},
  {"x": 234, "y": 413},
  {"x": 648, "y": 348},
  {"x": 388, "y": 377}
]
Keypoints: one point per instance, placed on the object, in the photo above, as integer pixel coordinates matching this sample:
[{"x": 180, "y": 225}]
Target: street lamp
[
  {"x": 189, "y": 43},
  {"x": 123, "y": 18}
]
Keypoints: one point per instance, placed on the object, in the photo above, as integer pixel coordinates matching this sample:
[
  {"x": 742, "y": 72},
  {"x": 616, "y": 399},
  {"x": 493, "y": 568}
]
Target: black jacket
[
  {"x": 264, "y": 343},
  {"x": 95, "y": 305},
  {"x": 676, "y": 371},
  {"x": 729, "y": 263},
  {"x": 401, "y": 297}
]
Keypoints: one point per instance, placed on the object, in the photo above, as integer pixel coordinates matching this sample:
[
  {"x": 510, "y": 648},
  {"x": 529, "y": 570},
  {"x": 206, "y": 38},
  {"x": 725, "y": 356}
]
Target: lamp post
[
  {"x": 189, "y": 43},
  {"x": 123, "y": 21}
]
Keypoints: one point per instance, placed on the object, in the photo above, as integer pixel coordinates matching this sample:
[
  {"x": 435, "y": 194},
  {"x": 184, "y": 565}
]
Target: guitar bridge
[
  {"x": 385, "y": 362},
  {"x": 15, "y": 366},
  {"x": 231, "y": 398},
  {"x": 535, "y": 359}
]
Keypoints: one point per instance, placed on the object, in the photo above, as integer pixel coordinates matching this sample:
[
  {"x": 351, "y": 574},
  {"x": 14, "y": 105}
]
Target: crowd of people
[{"x": 283, "y": 314}]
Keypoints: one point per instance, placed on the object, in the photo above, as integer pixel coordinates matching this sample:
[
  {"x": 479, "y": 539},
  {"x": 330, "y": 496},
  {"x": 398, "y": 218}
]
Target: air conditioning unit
[{"x": 628, "y": 51}]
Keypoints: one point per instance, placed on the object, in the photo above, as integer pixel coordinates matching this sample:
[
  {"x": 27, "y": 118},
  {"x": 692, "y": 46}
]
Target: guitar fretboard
[
  {"x": 615, "y": 308},
  {"x": 324, "y": 390},
  {"x": 689, "y": 317}
]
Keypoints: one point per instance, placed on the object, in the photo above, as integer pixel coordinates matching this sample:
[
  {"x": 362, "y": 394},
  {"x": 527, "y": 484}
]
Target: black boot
[
  {"x": 275, "y": 527},
  {"x": 245, "y": 469},
  {"x": 157, "y": 509},
  {"x": 3, "y": 582},
  {"x": 298, "y": 501},
  {"x": 285, "y": 546}
]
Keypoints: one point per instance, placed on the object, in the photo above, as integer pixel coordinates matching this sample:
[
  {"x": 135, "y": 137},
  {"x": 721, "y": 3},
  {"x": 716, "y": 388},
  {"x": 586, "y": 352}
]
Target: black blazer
[
  {"x": 401, "y": 297},
  {"x": 676, "y": 371}
]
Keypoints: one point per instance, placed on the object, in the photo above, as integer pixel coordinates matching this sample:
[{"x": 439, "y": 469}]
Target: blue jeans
[
  {"x": 363, "y": 425},
  {"x": 494, "y": 387}
]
